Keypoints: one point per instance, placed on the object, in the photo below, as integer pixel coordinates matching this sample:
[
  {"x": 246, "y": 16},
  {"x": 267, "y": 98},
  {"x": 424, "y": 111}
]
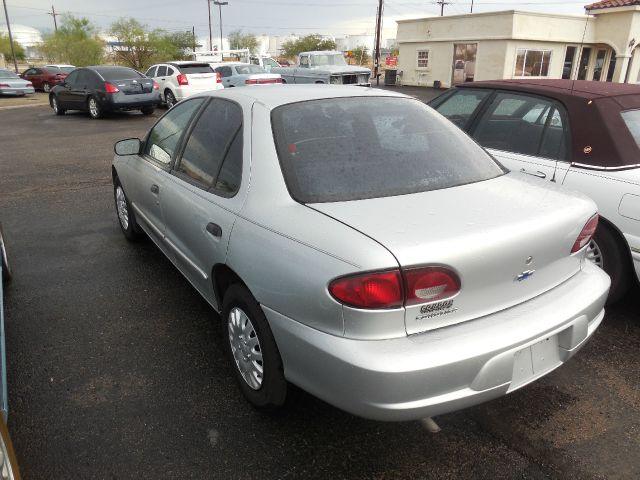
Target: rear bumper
[
  {"x": 17, "y": 90},
  {"x": 447, "y": 369},
  {"x": 186, "y": 91},
  {"x": 130, "y": 102}
]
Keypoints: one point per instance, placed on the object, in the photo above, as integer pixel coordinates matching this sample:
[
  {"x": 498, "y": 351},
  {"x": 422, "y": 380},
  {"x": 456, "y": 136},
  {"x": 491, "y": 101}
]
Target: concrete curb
[{"x": 24, "y": 106}]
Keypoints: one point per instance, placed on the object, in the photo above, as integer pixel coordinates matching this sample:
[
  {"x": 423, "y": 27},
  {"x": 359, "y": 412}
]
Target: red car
[{"x": 44, "y": 78}]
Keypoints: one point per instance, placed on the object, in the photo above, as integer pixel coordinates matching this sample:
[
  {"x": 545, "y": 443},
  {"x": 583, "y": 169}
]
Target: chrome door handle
[
  {"x": 155, "y": 189},
  {"x": 537, "y": 173},
  {"x": 214, "y": 229}
]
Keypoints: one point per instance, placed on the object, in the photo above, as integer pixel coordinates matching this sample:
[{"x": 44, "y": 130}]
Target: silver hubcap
[
  {"x": 54, "y": 102},
  {"x": 121, "y": 205},
  {"x": 170, "y": 100},
  {"x": 245, "y": 347},
  {"x": 594, "y": 254},
  {"x": 93, "y": 108},
  {"x": 46, "y": 87}
]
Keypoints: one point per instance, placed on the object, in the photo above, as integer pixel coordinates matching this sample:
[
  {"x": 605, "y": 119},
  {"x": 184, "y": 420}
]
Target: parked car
[
  {"x": 105, "y": 88},
  {"x": 12, "y": 84},
  {"x": 66, "y": 68},
  {"x": 263, "y": 61},
  {"x": 179, "y": 80},
  {"x": 44, "y": 78},
  {"x": 583, "y": 135},
  {"x": 8, "y": 464},
  {"x": 360, "y": 246},
  {"x": 324, "y": 67},
  {"x": 242, "y": 74}
]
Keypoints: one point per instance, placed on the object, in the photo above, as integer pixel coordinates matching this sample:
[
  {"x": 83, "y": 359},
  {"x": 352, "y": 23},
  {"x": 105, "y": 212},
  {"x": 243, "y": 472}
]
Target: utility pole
[
  {"x": 54, "y": 15},
  {"x": 220, "y": 4},
  {"x": 210, "y": 36},
  {"x": 376, "y": 56},
  {"x": 471, "y": 6},
  {"x": 442, "y": 3},
  {"x": 13, "y": 52},
  {"x": 193, "y": 36}
]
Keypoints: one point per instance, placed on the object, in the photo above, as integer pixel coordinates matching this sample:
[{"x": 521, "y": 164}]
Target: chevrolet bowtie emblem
[{"x": 525, "y": 275}]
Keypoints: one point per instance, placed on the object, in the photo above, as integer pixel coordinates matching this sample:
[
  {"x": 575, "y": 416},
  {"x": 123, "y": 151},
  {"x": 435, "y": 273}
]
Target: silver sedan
[
  {"x": 12, "y": 84},
  {"x": 244, "y": 74},
  {"x": 357, "y": 244}
]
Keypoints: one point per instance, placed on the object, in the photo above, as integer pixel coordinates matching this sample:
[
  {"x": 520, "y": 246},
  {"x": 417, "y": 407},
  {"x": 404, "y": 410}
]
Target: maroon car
[{"x": 44, "y": 78}]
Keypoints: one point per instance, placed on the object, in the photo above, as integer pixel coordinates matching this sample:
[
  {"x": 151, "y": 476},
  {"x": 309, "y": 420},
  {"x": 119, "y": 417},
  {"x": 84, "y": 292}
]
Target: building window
[
  {"x": 532, "y": 63},
  {"x": 423, "y": 58}
]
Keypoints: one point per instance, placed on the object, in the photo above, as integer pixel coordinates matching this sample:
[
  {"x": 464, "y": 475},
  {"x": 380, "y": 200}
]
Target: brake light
[
  {"x": 4, "y": 85},
  {"x": 182, "y": 79},
  {"x": 111, "y": 88},
  {"x": 369, "y": 290},
  {"x": 29, "y": 85},
  {"x": 156, "y": 86},
  {"x": 262, "y": 81},
  {"x": 218, "y": 77},
  {"x": 430, "y": 284},
  {"x": 586, "y": 234}
]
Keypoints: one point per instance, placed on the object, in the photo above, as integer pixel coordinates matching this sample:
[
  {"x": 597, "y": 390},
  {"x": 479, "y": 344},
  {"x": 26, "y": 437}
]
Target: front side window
[
  {"x": 524, "y": 124},
  {"x": 151, "y": 72},
  {"x": 423, "y": 58},
  {"x": 532, "y": 63},
  {"x": 304, "y": 62},
  {"x": 72, "y": 78},
  {"x": 163, "y": 139},
  {"x": 334, "y": 150},
  {"x": 460, "y": 106},
  {"x": 212, "y": 156}
]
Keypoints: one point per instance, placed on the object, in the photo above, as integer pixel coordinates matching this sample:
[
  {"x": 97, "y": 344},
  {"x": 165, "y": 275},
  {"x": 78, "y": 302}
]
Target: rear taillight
[
  {"x": 430, "y": 284},
  {"x": 156, "y": 86},
  {"x": 182, "y": 79},
  {"x": 251, "y": 82},
  {"x": 4, "y": 85},
  {"x": 369, "y": 290},
  {"x": 218, "y": 77},
  {"x": 586, "y": 234},
  {"x": 110, "y": 88},
  {"x": 262, "y": 81},
  {"x": 29, "y": 84}
]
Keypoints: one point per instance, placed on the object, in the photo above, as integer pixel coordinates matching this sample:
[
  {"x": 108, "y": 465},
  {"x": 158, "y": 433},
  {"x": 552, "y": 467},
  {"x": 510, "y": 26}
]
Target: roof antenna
[{"x": 584, "y": 34}]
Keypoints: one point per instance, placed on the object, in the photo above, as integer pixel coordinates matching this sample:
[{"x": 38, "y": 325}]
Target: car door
[
  {"x": 31, "y": 75},
  {"x": 161, "y": 78},
  {"x": 63, "y": 92},
  {"x": 201, "y": 201},
  {"x": 78, "y": 91},
  {"x": 526, "y": 133},
  {"x": 148, "y": 173},
  {"x": 302, "y": 71}
]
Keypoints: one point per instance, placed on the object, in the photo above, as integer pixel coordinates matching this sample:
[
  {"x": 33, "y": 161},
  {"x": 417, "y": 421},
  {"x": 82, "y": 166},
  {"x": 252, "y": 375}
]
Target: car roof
[
  {"x": 273, "y": 96},
  {"x": 321, "y": 52}
]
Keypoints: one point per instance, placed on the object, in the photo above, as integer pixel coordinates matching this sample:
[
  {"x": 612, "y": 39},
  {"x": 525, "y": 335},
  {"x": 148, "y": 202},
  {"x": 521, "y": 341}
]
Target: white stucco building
[
  {"x": 27, "y": 37},
  {"x": 600, "y": 46}
]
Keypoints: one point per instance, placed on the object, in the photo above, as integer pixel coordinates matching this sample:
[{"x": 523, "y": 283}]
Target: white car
[
  {"x": 66, "y": 68},
  {"x": 582, "y": 135},
  {"x": 181, "y": 79}
]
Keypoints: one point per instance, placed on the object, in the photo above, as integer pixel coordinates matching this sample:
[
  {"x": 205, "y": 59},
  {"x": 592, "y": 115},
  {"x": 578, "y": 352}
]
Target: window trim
[
  {"x": 183, "y": 144},
  {"x": 515, "y": 62},
  {"x": 422, "y": 50}
]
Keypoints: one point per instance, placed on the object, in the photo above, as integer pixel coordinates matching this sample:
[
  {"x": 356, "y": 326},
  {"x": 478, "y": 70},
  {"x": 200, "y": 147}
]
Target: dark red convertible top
[{"x": 599, "y": 136}]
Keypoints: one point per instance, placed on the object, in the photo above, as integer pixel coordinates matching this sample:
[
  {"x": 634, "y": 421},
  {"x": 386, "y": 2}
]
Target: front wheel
[
  {"x": 252, "y": 350},
  {"x": 605, "y": 252},
  {"x": 57, "y": 109},
  {"x": 95, "y": 110},
  {"x": 126, "y": 216}
]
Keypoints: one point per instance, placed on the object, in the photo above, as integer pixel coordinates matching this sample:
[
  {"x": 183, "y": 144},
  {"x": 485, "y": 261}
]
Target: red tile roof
[{"x": 611, "y": 4}]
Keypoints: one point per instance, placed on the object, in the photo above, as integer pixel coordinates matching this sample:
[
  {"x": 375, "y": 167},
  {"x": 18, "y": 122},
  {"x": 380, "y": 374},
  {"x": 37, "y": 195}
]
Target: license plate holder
[{"x": 534, "y": 361}]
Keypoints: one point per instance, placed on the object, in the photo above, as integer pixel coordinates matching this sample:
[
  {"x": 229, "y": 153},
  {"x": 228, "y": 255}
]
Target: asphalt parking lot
[{"x": 116, "y": 367}]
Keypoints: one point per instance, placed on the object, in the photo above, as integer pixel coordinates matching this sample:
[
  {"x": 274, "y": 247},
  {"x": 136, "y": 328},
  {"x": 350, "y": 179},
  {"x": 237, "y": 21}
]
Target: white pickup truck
[{"x": 324, "y": 67}]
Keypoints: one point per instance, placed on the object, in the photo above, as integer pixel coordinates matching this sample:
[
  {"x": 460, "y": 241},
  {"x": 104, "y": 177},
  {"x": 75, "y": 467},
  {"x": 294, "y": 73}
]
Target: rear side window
[
  {"x": 165, "y": 135},
  {"x": 249, "y": 69},
  {"x": 118, "y": 73},
  {"x": 162, "y": 71},
  {"x": 212, "y": 156},
  {"x": 341, "y": 149},
  {"x": 632, "y": 121},
  {"x": 459, "y": 107},
  {"x": 524, "y": 124},
  {"x": 195, "y": 68}
]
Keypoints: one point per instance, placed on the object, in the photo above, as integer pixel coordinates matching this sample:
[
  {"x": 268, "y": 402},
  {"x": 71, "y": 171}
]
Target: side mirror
[{"x": 129, "y": 146}]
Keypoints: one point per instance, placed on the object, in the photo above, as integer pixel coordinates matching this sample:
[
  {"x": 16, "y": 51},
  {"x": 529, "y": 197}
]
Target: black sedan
[{"x": 105, "y": 88}]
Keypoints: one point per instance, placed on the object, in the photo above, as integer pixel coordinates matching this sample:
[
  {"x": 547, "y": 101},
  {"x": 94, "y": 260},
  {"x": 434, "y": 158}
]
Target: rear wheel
[
  {"x": 605, "y": 251},
  {"x": 252, "y": 350},
  {"x": 147, "y": 110},
  {"x": 4, "y": 261},
  {"x": 95, "y": 110},
  {"x": 46, "y": 87},
  {"x": 170, "y": 99},
  {"x": 57, "y": 109}
]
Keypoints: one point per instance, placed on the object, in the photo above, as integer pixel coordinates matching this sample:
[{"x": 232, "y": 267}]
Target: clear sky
[{"x": 271, "y": 17}]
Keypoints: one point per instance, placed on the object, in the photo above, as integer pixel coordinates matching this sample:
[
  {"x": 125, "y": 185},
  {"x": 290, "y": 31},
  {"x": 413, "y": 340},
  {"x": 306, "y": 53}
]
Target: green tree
[
  {"x": 361, "y": 55},
  {"x": 238, "y": 40},
  {"x": 76, "y": 42},
  {"x": 5, "y": 49},
  {"x": 308, "y": 43},
  {"x": 140, "y": 47}
]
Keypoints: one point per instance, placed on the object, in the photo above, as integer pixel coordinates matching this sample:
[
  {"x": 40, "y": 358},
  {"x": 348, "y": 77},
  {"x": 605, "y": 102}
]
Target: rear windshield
[
  {"x": 249, "y": 69},
  {"x": 195, "y": 68},
  {"x": 632, "y": 120},
  {"x": 67, "y": 69},
  {"x": 7, "y": 74},
  {"x": 342, "y": 149},
  {"x": 118, "y": 73}
]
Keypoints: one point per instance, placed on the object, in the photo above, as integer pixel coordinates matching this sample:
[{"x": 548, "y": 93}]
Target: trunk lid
[
  {"x": 134, "y": 86},
  {"x": 264, "y": 78},
  {"x": 202, "y": 80},
  {"x": 488, "y": 232}
]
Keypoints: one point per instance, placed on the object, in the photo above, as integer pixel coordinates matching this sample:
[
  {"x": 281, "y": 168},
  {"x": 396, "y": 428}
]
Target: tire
[
  {"x": 126, "y": 215},
  {"x": 46, "y": 88},
  {"x": 57, "y": 109},
  {"x": 284, "y": 81},
  {"x": 94, "y": 108},
  {"x": 606, "y": 252},
  {"x": 7, "y": 273},
  {"x": 243, "y": 317},
  {"x": 170, "y": 99},
  {"x": 147, "y": 110}
]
